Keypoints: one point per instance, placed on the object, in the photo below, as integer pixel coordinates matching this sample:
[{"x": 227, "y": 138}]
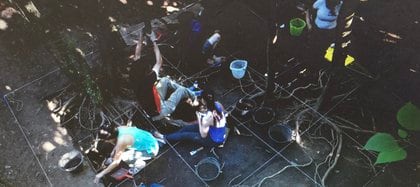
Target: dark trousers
[{"x": 191, "y": 133}]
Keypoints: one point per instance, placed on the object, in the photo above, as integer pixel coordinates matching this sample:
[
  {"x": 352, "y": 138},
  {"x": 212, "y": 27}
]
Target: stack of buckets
[{"x": 296, "y": 26}]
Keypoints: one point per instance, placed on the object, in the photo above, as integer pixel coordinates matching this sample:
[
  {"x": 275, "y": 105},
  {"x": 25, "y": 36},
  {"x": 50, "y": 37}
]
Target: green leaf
[
  {"x": 402, "y": 133},
  {"x": 381, "y": 142},
  {"x": 409, "y": 117},
  {"x": 391, "y": 156}
]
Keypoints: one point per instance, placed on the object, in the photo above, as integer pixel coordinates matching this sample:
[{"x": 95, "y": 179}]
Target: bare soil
[{"x": 32, "y": 142}]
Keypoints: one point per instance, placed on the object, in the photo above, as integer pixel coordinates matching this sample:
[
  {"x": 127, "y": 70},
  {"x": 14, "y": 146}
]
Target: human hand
[
  {"x": 97, "y": 178},
  {"x": 192, "y": 102},
  {"x": 198, "y": 115}
]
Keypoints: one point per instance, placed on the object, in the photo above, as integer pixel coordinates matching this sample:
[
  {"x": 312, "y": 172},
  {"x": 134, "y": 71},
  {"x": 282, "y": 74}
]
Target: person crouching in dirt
[
  {"x": 151, "y": 91},
  {"x": 132, "y": 145},
  {"x": 208, "y": 50},
  {"x": 210, "y": 129}
]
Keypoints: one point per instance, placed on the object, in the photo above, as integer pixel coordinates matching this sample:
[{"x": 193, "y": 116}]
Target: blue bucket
[{"x": 238, "y": 68}]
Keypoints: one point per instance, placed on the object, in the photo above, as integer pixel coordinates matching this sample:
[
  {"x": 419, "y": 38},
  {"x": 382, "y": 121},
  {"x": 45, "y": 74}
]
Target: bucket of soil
[
  {"x": 263, "y": 115},
  {"x": 244, "y": 106},
  {"x": 208, "y": 168},
  {"x": 71, "y": 162},
  {"x": 280, "y": 133}
]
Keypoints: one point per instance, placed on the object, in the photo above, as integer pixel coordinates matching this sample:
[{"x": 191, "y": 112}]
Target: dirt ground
[{"x": 32, "y": 142}]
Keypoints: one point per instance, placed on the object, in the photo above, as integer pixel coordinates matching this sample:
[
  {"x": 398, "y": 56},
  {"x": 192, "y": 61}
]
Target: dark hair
[
  {"x": 331, "y": 5},
  {"x": 105, "y": 148},
  {"x": 208, "y": 97},
  {"x": 140, "y": 69}
]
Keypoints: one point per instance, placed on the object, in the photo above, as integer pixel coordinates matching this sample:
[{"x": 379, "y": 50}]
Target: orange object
[
  {"x": 156, "y": 98},
  {"x": 121, "y": 174}
]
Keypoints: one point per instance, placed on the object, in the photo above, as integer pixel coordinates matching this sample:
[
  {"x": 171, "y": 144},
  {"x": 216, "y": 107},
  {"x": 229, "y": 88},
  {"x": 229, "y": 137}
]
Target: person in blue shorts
[{"x": 210, "y": 128}]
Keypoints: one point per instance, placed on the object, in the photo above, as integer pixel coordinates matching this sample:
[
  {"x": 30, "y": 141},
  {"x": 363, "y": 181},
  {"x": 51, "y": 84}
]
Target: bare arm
[
  {"x": 119, "y": 149},
  {"x": 204, "y": 123},
  {"x": 159, "y": 60},
  {"x": 139, "y": 47}
]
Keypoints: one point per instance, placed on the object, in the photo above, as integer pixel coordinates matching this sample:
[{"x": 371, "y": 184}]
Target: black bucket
[
  {"x": 71, "y": 162},
  {"x": 263, "y": 115},
  {"x": 244, "y": 107},
  {"x": 280, "y": 133},
  {"x": 208, "y": 168}
]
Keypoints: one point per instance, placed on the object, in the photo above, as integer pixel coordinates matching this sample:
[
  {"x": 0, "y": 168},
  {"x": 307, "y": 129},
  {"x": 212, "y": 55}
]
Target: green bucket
[{"x": 296, "y": 26}]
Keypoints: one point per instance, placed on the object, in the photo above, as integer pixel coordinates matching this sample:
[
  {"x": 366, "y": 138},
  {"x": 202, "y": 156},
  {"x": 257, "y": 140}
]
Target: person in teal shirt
[
  {"x": 133, "y": 146},
  {"x": 327, "y": 13}
]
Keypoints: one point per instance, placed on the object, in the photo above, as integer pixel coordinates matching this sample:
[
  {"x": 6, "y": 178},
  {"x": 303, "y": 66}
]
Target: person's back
[{"x": 143, "y": 140}]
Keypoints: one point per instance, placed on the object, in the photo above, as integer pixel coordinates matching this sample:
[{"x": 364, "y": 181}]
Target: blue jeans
[
  {"x": 168, "y": 106},
  {"x": 191, "y": 133}
]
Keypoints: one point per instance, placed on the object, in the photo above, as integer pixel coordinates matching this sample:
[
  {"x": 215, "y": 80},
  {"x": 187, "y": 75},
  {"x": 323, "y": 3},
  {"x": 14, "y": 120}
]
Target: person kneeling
[
  {"x": 210, "y": 129},
  {"x": 133, "y": 145}
]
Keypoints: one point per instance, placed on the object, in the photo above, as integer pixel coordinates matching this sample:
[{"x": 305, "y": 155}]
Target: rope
[{"x": 293, "y": 164}]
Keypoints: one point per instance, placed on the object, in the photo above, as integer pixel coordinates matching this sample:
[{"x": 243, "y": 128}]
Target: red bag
[{"x": 121, "y": 174}]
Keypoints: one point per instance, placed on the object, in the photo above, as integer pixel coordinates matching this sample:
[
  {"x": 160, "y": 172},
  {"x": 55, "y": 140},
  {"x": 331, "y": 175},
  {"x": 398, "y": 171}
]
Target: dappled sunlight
[
  {"x": 80, "y": 51},
  {"x": 390, "y": 37},
  {"x": 171, "y": 9},
  {"x": 62, "y": 131},
  {"x": 8, "y": 12},
  {"x": 389, "y": 41},
  {"x": 111, "y": 19},
  {"x": 3, "y": 24},
  {"x": 114, "y": 28},
  {"x": 89, "y": 34},
  {"x": 32, "y": 9},
  {"x": 52, "y": 105},
  {"x": 59, "y": 140},
  {"x": 48, "y": 147},
  {"x": 274, "y": 39},
  {"x": 56, "y": 118},
  {"x": 165, "y": 3}
]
